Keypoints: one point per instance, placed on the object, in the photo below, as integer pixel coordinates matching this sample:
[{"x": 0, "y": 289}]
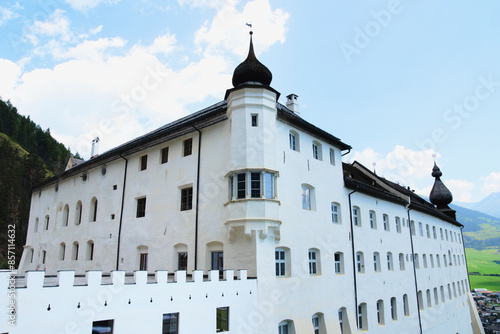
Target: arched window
[
  {"x": 44, "y": 256},
  {"x": 318, "y": 322},
  {"x": 385, "y": 220},
  {"x": 417, "y": 264},
  {"x": 376, "y": 262},
  {"x": 449, "y": 291},
  {"x": 373, "y": 219},
  {"x": 429, "y": 301},
  {"x": 428, "y": 231},
  {"x": 356, "y": 216},
  {"x": 65, "y": 215},
  {"x": 62, "y": 251},
  {"x": 32, "y": 253},
  {"x": 90, "y": 250},
  {"x": 360, "y": 263},
  {"x": 436, "y": 297},
  {"x": 398, "y": 224},
  {"x": 431, "y": 257},
  {"x": 308, "y": 197},
  {"x": 390, "y": 266},
  {"x": 332, "y": 157},
  {"x": 343, "y": 321},
  {"x": 362, "y": 317},
  {"x": 36, "y": 225},
  {"x": 401, "y": 261},
  {"x": 286, "y": 327},
  {"x": 442, "y": 294},
  {"x": 380, "y": 312},
  {"x": 438, "y": 261},
  {"x": 93, "y": 210},
  {"x": 420, "y": 301},
  {"x": 434, "y": 232},
  {"x": 314, "y": 262},
  {"x": 336, "y": 213},
  {"x": 394, "y": 309},
  {"x": 339, "y": 263},
  {"x": 294, "y": 141},
  {"x": 412, "y": 227},
  {"x": 180, "y": 259},
  {"x": 424, "y": 260},
  {"x": 47, "y": 219},
  {"x": 317, "y": 150},
  {"x": 406, "y": 306},
  {"x": 78, "y": 213},
  {"x": 282, "y": 262},
  {"x": 74, "y": 254}
]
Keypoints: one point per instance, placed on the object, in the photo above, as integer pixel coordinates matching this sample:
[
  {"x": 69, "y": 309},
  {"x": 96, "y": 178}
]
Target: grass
[{"x": 482, "y": 262}]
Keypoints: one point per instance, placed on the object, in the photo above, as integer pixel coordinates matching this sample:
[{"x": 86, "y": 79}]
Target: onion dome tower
[
  {"x": 251, "y": 70},
  {"x": 441, "y": 196}
]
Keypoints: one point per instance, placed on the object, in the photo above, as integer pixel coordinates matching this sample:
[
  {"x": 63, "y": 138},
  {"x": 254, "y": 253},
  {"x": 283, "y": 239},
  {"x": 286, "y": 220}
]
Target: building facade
[{"x": 249, "y": 184}]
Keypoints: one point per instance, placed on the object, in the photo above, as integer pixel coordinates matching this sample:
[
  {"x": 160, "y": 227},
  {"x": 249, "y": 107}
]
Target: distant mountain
[
  {"x": 480, "y": 229},
  {"x": 489, "y": 205}
]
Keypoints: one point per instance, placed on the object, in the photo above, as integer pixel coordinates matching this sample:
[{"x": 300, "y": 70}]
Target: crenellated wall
[{"x": 70, "y": 304}]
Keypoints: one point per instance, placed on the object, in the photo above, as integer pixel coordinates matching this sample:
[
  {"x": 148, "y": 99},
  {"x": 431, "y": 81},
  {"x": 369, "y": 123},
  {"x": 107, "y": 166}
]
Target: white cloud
[
  {"x": 162, "y": 45},
  {"x": 56, "y": 25},
  {"x": 10, "y": 75},
  {"x": 7, "y": 14},
  {"x": 227, "y": 29},
  {"x": 491, "y": 183},
  {"x": 84, "y": 5},
  {"x": 208, "y": 3},
  {"x": 400, "y": 165},
  {"x": 96, "y": 30}
]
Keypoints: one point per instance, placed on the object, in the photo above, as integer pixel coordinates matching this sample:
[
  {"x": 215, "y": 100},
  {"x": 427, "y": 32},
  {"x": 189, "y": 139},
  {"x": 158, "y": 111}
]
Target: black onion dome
[
  {"x": 251, "y": 70},
  {"x": 440, "y": 195}
]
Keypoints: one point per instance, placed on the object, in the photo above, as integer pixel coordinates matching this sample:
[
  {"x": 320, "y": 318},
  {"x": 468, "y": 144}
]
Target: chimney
[
  {"x": 292, "y": 103},
  {"x": 95, "y": 148}
]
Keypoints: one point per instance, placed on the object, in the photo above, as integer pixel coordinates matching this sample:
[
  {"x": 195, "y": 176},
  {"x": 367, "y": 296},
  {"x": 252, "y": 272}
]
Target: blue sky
[{"x": 399, "y": 81}]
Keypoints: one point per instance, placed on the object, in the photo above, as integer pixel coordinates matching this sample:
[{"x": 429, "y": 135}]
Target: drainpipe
[
  {"x": 346, "y": 153},
  {"x": 353, "y": 258},
  {"x": 465, "y": 255},
  {"x": 197, "y": 201},
  {"x": 414, "y": 267},
  {"x": 121, "y": 214}
]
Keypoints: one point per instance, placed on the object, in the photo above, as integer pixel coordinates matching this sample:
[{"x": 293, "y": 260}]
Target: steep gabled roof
[{"x": 358, "y": 177}]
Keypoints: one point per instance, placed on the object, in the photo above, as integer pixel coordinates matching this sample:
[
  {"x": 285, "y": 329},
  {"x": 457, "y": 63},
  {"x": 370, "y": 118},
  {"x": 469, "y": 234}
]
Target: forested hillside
[{"x": 28, "y": 156}]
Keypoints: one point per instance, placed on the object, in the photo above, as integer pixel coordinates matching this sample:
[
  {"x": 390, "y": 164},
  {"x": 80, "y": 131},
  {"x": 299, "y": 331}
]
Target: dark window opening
[
  {"x": 164, "y": 155},
  {"x": 186, "y": 199},
  {"x": 102, "y": 327},
  {"x": 188, "y": 147},
  {"x": 182, "y": 259},
  {"x": 255, "y": 185},
  {"x": 144, "y": 162},
  {"x": 218, "y": 261},
  {"x": 170, "y": 323},
  {"x": 143, "y": 265},
  {"x": 141, "y": 207},
  {"x": 222, "y": 319}
]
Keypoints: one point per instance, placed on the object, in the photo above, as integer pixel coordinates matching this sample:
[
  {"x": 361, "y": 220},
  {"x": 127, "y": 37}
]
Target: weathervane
[{"x": 250, "y": 25}]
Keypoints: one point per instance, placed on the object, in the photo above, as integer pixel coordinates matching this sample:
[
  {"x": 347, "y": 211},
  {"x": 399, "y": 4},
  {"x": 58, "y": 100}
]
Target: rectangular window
[
  {"x": 182, "y": 261},
  {"x": 398, "y": 225},
  {"x": 241, "y": 185},
  {"x": 335, "y": 213},
  {"x": 283, "y": 328},
  {"x": 385, "y": 219},
  {"x": 255, "y": 191},
  {"x": 332, "y": 157},
  {"x": 164, "y": 155},
  {"x": 186, "y": 199},
  {"x": 338, "y": 263},
  {"x": 293, "y": 142},
  {"x": 141, "y": 207},
  {"x": 144, "y": 162},
  {"x": 313, "y": 263},
  {"x": 406, "y": 306},
  {"x": 218, "y": 261},
  {"x": 222, "y": 319},
  {"x": 170, "y": 323},
  {"x": 428, "y": 231},
  {"x": 394, "y": 309},
  {"x": 341, "y": 321},
  {"x": 143, "y": 264},
  {"x": 372, "y": 220},
  {"x": 315, "y": 321},
  {"x": 280, "y": 259},
  {"x": 355, "y": 213},
  {"x": 103, "y": 326},
  {"x": 269, "y": 185},
  {"x": 254, "y": 120},
  {"x": 188, "y": 147},
  {"x": 420, "y": 229},
  {"x": 306, "y": 198}
]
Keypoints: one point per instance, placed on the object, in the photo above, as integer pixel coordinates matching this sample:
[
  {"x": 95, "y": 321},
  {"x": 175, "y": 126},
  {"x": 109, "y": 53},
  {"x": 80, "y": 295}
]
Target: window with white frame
[
  {"x": 373, "y": 219},
  {"x": 360, "y": 262},
  {"x": 316, "y": 150},
  {"x": 332, "y": 156},
  {"x": 313, "y": 262},
  {"x": 252, "y": 184},
  {"x": 307, "y": 197},
  {"x": 315, "y": 322},
  {"x": 356, "y": 216},
  {"x": 390, "y": 267},
  {"x": 385, "y": 219},
  {"x": 281, "y": 259},
  {"x": 380, "y": 312},
  {"x": 339, "y": 263},
  {"x": 412, "y": 227},
  {"x": 294, "y": 141},
  {"x": 398, "y": 224},
  {"x": 335, "y": 213},
  {"x": 283, "y": 327},
  {"x": 341, "y": 314},
  {"x": 376, "y": 262}
]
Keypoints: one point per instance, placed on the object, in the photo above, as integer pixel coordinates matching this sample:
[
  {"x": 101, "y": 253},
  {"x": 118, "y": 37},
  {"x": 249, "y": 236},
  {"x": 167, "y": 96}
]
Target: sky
[{"x": 403, "y": 82}]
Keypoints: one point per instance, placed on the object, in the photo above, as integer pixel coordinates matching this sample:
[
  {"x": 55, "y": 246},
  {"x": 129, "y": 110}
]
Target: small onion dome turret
[
  {"x": 440, "y": 195},
  {"x": 251, "y": 70}
]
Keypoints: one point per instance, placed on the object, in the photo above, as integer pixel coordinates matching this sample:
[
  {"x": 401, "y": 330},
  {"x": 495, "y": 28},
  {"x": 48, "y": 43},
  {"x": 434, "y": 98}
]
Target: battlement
[{"x": 136, "y": 303}]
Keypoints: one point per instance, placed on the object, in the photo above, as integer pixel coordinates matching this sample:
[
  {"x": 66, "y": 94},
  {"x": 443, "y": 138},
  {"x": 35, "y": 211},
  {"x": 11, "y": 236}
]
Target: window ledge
[{"x": 252, "y": 200}]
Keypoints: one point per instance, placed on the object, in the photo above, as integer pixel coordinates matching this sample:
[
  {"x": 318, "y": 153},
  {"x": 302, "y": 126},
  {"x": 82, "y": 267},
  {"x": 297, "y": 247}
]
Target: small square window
[
  {"x": 186, "y": 199},
  {"x": 188, "y": 147},
  {"x": 254, "y": 120},
  {"x": 164, "y": 155},
  {"x": 170, "y": 323},
  {"x": 115, "y": 187},
  {"x": 144, "y": 162},
  {"x": 141, "y": 207},
  {"x": 222, "y": 319}
]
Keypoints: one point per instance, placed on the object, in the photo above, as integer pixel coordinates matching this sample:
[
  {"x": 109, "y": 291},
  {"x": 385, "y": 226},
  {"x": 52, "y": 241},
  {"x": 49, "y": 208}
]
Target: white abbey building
[{"x": 239, "y": 218}]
